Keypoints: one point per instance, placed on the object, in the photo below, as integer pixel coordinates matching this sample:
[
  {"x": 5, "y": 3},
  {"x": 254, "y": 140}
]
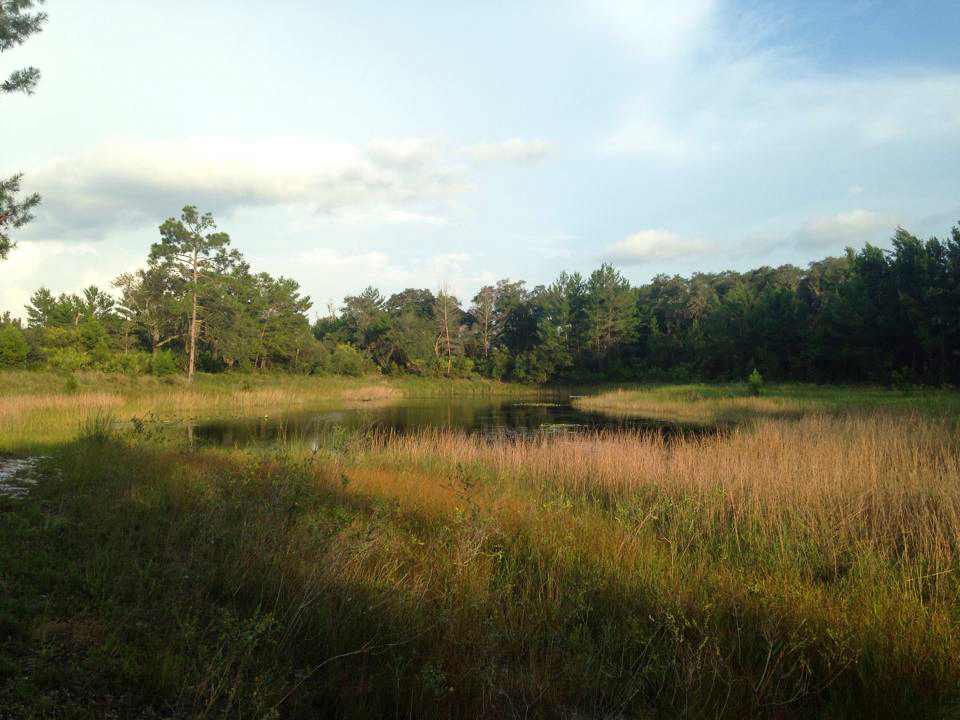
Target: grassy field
[{"x": 803, "y": 564}]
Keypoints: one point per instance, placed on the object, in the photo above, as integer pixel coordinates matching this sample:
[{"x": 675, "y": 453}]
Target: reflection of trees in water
[{"x": 497, "y": 418}]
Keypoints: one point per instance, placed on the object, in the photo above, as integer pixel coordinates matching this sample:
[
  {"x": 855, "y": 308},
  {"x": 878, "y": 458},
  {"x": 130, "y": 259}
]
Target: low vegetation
[
  {"x": 802, "y": 564},
  {"x": 40, "y": 409},
  {"x": 742, "y": 403}
]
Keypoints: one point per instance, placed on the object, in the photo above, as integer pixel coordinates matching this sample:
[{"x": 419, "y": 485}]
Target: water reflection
[{"x": 489, "y": 417}]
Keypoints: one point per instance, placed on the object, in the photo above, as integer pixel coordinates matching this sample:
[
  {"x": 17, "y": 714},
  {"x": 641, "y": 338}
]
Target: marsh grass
[
  {"x": 37, "y": 411},
  {"x": 736, "y": 404},
  {"x": 785, "y": 568}
]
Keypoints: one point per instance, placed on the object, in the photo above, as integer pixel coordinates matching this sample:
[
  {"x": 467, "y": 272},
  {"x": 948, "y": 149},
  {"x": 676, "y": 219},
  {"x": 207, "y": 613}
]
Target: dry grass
[
  {"x": 693, "y": 408},
  {"x": 890, "y": 479},
  {"x": 789, "y": 567},
  {"x": 43, "y": 409}
]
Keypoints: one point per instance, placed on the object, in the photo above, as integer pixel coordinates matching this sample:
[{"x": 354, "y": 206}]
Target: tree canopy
[{"x": 871, "y": 315}]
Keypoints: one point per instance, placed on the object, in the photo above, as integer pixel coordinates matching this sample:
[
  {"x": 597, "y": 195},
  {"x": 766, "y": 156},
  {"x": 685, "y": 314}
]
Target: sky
[{"x": 429, "y": 144}]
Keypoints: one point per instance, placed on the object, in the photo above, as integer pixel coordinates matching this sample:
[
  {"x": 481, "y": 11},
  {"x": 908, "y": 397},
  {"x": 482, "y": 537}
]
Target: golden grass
[
  {"x": 693, "y": 408},
  {"x": 39, "y": 408},
  {"x": 881, "y": 475},
  {"x": 788, "y": 564},
  {"x": 808, "y": 559}
]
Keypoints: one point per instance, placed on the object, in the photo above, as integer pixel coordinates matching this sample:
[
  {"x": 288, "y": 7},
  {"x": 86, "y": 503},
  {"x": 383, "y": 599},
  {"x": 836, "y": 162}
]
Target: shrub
[
  {"x": 755, "y": 382},
  {"x": 131, "y": 363},
  {"x": 70, "y": 385},
  {"x": 163, "y": 362},
  {"x": 13, "y": 346},
  {"x": 68, "y": 359},
  {"x": 343, "y": 359}
]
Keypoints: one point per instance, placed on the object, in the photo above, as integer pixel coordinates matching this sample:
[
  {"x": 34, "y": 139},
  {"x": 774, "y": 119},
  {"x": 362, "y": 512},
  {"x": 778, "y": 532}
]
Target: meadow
[{"x": 801, "y": 561}]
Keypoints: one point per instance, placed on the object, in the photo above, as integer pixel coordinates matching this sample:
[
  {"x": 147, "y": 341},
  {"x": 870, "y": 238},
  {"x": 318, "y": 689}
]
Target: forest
[{"x": 889, "y": 316}]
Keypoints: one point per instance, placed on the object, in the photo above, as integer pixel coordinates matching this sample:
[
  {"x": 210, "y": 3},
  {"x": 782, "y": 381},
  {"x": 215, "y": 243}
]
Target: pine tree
[{"x": 18, "y": 21}]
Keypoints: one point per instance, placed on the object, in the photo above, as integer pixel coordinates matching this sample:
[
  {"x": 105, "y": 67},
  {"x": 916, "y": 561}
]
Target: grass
[
  {"x": 799, "y": 565},
  {"x": 39, "y": 410},
  {"x": 733, "y": 404}
]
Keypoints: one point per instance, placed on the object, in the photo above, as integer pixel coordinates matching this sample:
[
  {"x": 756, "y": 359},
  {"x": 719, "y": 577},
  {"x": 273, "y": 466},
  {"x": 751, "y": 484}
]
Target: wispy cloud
[{"x": 515, "y": 150}]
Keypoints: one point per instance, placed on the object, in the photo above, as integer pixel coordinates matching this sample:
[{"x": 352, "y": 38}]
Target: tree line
[
  {"x": 870, "y": 315},
  {"x": 196, "y": 305}
]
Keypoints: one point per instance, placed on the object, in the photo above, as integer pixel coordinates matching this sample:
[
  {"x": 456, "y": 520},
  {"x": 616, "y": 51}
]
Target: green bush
[
  {"x": 164, "y": 362},
  {"x": 755, "y": 382},
  {"x": 70, "y": 385},
  {"x": 130, "y": 363},
  {"x": 347, "y": 360},
  {"x": 13, "y": 346},
  {"x": 68, "y": 359}
]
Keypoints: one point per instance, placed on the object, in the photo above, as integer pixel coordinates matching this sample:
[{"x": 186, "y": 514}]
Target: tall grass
[
  {"x": 790, "y": 568},
  {"x": 36, "y": 410},
  {"x": 733, "y": 404}
]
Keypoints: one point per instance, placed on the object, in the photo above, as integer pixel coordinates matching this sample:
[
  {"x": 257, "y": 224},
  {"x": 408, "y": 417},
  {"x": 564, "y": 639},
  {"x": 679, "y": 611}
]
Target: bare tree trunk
[
  {"x": 446, "y": 331},
  {"x": 193, "y": 328}
]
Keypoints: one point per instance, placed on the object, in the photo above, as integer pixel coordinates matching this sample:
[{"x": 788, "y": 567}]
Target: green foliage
[
  {"x": 873, "y": 315},
  {"x": 19, "y": 20},
  {"x": 344, "y": 359},
  {"x": 70, "y": 384},
  {"x": 755, "y": 382},
  {"x": 13, "y": 346},
  {"x": 130, "y": 363},
  {"x": 69, "y": 359},
  {"x": 162, "y": 363}
]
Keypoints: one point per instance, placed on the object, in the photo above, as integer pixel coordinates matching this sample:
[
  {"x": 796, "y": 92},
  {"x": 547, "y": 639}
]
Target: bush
[
  {"x": 13, "y": 346},
  {"x": 130, "y": 363},
  {"x": 164, "y": 362},
  {"x": 347, "y": 360},
  {"x": 343, "y": 359},
  {"x": 755, "y": 382},
  {"x": 902, "y": 379},
  {"x": 68, "y": 359},
  {"x": 70, "y": 385}
]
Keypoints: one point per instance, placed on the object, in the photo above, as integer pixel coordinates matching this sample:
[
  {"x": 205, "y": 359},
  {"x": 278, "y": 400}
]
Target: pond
[{"x": 490, "y": 417}]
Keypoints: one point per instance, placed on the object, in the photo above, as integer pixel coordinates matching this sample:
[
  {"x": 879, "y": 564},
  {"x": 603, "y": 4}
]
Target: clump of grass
[
  {"x": 70, "y": 384},
  {"x": 98, "y": 427}
]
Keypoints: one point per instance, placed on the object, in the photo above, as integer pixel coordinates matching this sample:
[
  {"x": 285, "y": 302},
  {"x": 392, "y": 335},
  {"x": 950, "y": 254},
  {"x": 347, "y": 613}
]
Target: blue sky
[{"x": 428, "y": 143}]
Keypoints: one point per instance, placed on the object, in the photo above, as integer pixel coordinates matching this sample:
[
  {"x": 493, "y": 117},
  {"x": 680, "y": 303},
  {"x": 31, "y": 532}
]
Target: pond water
[{"x": 491, "y": 417}]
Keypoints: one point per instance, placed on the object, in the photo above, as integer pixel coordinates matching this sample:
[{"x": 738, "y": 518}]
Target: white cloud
[
  {"x": 60, "y": 266},
  {"x": 654, "y": 245},
  {"x": 135, "y": 184},
  {"x": 852, "y": 227},
  {"x": 725, "y": 88},
  {"x": 514, "y": 150}
]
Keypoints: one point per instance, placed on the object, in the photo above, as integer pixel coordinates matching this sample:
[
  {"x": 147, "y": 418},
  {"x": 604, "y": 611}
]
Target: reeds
[{"x": 787, "y": 567}]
